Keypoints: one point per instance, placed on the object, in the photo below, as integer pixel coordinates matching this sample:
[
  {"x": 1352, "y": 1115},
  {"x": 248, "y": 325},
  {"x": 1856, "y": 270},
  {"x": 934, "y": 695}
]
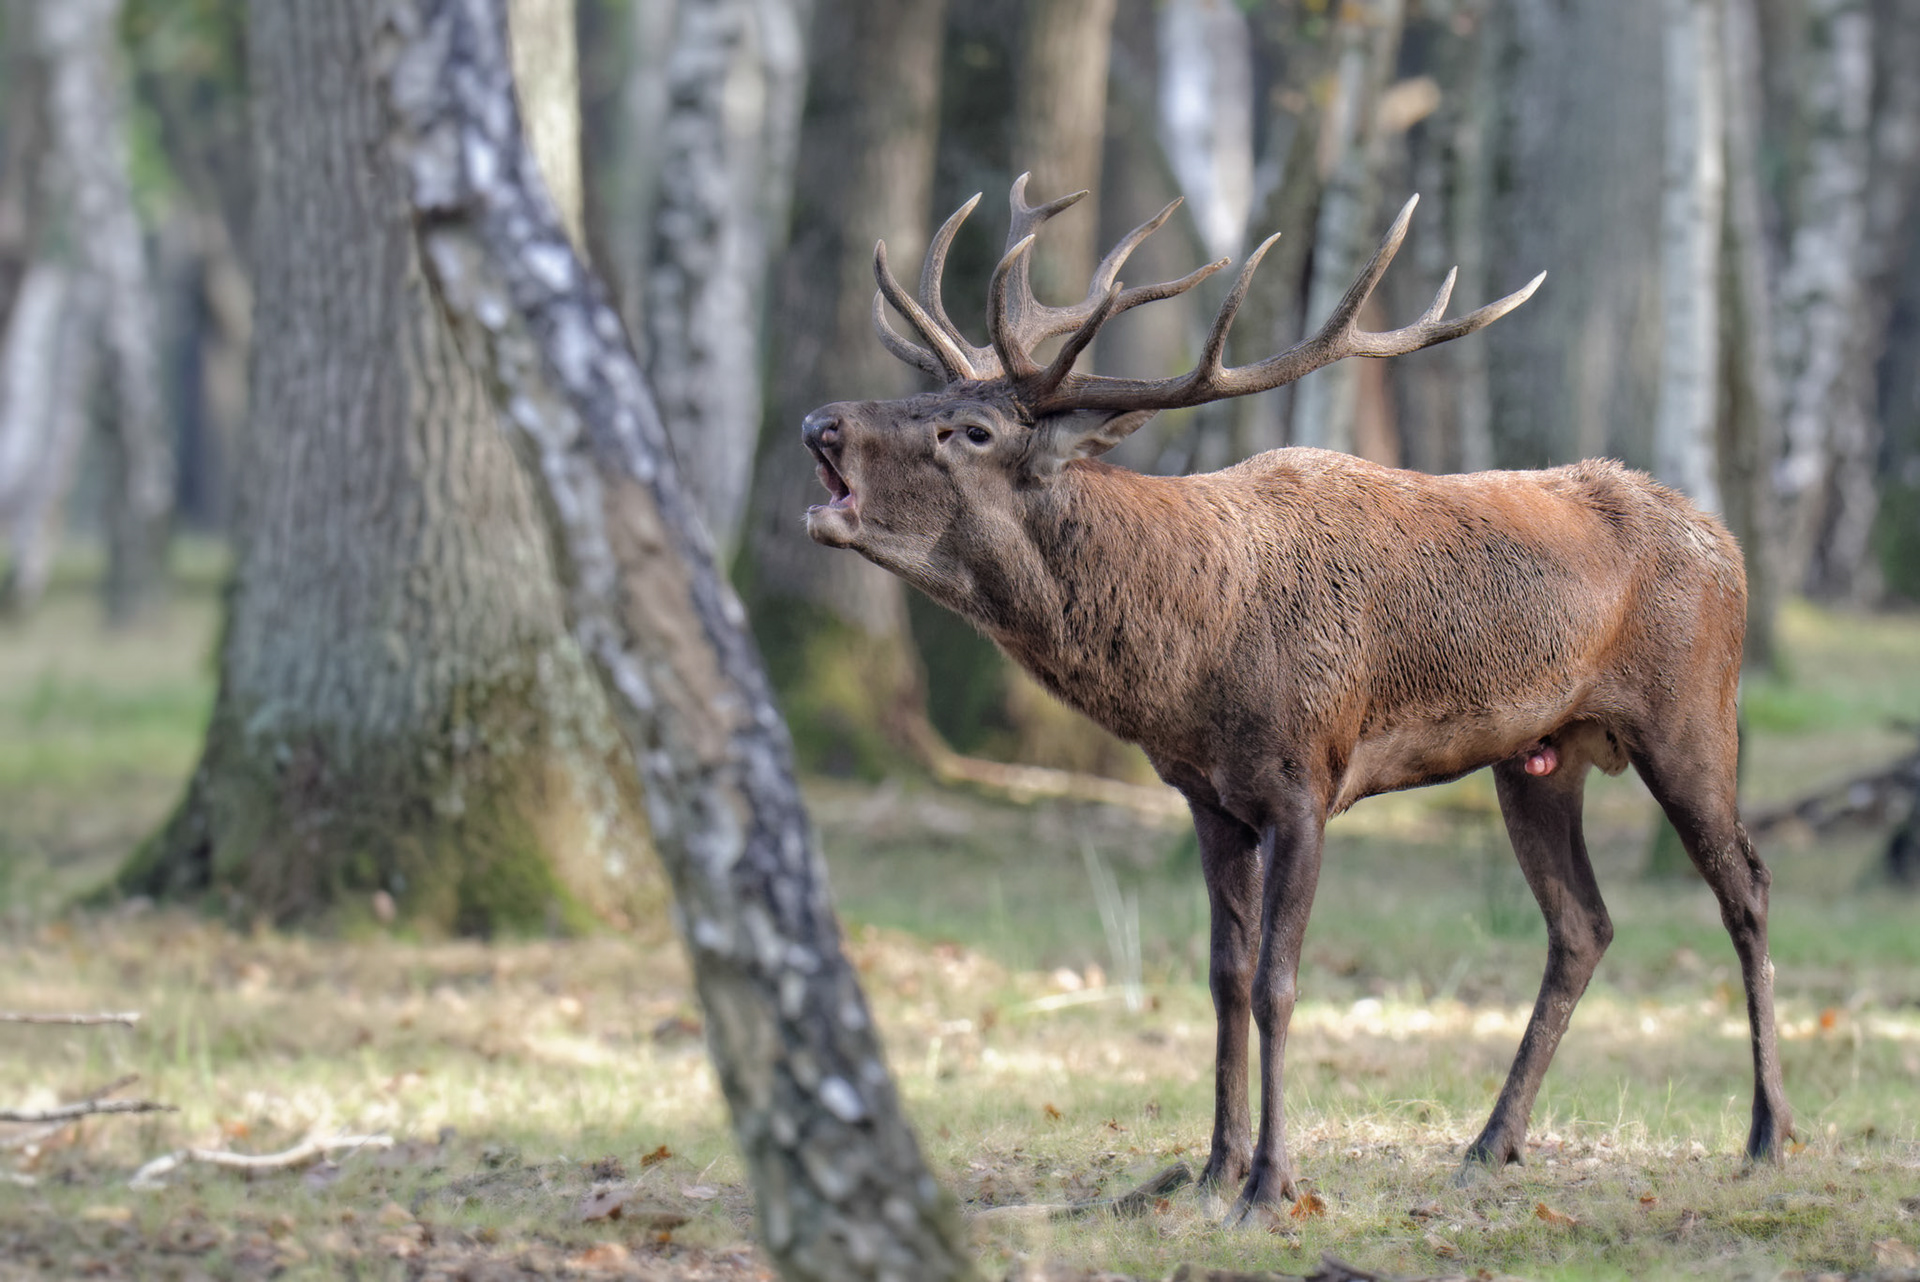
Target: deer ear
[{"x": 1088, "y": 433}]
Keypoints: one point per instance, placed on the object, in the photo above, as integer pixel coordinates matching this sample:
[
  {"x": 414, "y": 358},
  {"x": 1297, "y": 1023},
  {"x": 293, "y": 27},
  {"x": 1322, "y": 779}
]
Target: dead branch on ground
[
  {"x": 307, "y": 1150},
  {"x": 85, "y": 1108},
  {"x": 128, "y": 1018}
]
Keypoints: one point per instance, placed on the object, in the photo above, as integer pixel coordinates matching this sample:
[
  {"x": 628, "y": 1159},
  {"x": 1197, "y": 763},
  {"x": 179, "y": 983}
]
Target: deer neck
[{"x": 1090, "y": 593}]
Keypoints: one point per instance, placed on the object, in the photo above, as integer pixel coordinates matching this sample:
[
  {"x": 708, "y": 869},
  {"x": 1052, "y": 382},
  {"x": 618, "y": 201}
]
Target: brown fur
[{"x": 1306, "y": 629}]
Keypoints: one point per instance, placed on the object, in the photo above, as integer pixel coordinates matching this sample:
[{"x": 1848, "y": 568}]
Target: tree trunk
[
  {"x": 1059, "y": 124},
  {"x": 1822, "y": 365},
  {"x": 843, "y": 1192},
  {"x": 1288, "y": 186},
  {"x": 623, "y": 58},
  {"x": 47, "y": 366},
  {"x": 86, "y": 116},
  {"x": 1573, "y": 192},
  {"x": 1750, "y": 405},
  {"x": 1693, "y": 199},
  {"x": 1325, "y": 403},
  {"x": 833, "y": 625},
  {"x": 735, "y": 79},
  {"x": 400, "y": 708}
]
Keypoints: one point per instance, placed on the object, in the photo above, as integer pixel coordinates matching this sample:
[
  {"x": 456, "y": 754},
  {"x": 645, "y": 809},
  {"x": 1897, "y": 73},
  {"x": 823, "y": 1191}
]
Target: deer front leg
[
  {"x": 1230, "y": 861},
  {"x": 1292, "y": 872},
  {"x": 1542, "y": 813}
]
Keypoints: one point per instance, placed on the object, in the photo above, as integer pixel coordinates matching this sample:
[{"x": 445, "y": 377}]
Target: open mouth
[{"x": 830, "y": 477}]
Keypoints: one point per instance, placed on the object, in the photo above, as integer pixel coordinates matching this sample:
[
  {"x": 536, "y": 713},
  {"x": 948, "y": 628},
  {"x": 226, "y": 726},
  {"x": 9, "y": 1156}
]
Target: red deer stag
[{"x": 1306, "y": 629}]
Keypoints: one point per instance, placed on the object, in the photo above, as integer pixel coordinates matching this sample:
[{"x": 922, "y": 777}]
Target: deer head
[{"x": 917, "y": 481}]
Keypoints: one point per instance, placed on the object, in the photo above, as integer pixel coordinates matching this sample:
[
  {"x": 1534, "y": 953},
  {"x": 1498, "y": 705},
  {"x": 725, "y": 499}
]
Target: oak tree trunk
[
  {"x": 1059, "y": 121},
  {"x": 843, "y": 1193},
  {"x": 400, "y": 707},
  {"x": 1574, "y": 192},
  {"x": 833, "y": 625}
]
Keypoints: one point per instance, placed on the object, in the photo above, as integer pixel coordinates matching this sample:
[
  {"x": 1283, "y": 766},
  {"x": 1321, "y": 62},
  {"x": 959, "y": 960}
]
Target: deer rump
[{"x": 1305, "y": 629}]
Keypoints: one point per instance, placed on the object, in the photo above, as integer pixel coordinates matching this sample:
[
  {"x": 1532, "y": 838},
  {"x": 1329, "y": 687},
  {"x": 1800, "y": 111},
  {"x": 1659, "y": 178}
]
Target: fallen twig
[
  {"x": 148, "y": 1176},
  {"x": 126, "y": 1017},
  {"x": 1126, "y": 1206},
  {"x": 28, "y": 1139},
  {"x": 1033, "y": 783},
  {"x": 84, "y": 1108}
]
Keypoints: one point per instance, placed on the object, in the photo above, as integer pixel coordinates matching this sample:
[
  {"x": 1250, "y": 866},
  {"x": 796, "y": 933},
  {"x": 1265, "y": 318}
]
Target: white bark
[
  {"x": 735, "y": 78},
  {"x": 1693, "y": 198},
  {"x": 86, "y": 114},
  {"x": 843, "y": 1192},
  {"x": 1206, "y": 116},
  {"x": 1820, "y": 290},
  {"x": 49, "y": 364},
  {"x": 1325, "y": 402}
]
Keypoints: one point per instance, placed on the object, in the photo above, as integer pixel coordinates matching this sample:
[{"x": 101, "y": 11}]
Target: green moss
[
  {"x": 844, "y": 693},
  {"x": 475, "y": 844}
]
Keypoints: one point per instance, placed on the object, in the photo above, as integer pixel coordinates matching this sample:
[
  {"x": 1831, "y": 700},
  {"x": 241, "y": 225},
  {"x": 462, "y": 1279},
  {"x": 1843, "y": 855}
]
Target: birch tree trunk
[
  {"x": 48, "y": 361},
  {"x": 1822, "y": 365},
  {"x": 843, "y": 1193},
  {"x": 1693, "y": 200},
  {"x": 833, "y": 625},
  {"x": 735, "y": 81},
  {"x": 400, "y": 706},
  {"x": 1324, "y": 403},
  {"x": 86, "y": 118}
]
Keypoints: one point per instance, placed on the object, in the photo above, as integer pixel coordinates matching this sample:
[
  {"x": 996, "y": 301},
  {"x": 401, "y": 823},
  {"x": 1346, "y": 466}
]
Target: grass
[{"x": 518, "y": 1078}]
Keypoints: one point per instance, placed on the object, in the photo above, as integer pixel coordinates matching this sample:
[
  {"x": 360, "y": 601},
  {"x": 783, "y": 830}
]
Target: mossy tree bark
[
  {"x": 835, "y": 625},
  {"x": 400, "y": 706}
]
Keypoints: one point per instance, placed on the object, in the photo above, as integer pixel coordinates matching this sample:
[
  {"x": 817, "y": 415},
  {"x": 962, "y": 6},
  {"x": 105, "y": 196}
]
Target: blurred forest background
[
  {"x": 283, "y": 635},
  {"x": 217, "y": 349}
]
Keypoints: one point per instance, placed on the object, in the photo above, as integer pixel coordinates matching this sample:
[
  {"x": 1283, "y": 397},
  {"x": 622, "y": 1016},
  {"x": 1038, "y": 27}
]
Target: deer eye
[{"x": 979, "y": 435}]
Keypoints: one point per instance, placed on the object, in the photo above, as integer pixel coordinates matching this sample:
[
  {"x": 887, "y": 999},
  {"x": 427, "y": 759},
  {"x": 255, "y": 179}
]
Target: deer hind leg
[
  {"x": 1542, "y": 814},
  {"x": 1230, "y": 860},
  {"x": 1692, "y": 774},
  {"x": 1293, "y": 844}
]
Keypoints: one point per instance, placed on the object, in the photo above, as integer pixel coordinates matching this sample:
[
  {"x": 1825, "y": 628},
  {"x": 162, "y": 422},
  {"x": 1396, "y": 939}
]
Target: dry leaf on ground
[{"x": 1541, "y": 1211}]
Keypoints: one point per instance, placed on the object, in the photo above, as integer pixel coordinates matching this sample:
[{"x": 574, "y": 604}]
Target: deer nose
[{"x": 821, "y": 429}]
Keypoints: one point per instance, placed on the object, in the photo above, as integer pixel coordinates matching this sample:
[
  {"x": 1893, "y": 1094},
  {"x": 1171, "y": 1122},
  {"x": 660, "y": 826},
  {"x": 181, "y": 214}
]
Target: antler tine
[
  {"x": 1063, "y": 320},
  {"x": 1109, "y": 269},
  {"x": 1348, "y": 310},
  {"x": 1027, "y": 218},
  {"x": 911, "y": 353},
  {"x": 1430, "y": 329},
  {"x": 1003, "y": 321},
  {"x": 1216, "y": 344},
  {"x": 935, "y": 265},
  {"x": 1056, "y": 373},
  {"x": 1339, "y": 337},
  {"x": 945, "y": 349}
]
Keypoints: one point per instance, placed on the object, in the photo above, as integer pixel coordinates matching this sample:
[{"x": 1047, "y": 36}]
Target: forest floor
[{"x": 1050, "y": 1053}]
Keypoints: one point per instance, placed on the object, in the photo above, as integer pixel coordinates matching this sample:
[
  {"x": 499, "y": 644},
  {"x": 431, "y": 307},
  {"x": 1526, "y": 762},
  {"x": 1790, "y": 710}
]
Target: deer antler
[
  {"x": 1017, "y": 323},
  {"x": 1340, "y": 337}
]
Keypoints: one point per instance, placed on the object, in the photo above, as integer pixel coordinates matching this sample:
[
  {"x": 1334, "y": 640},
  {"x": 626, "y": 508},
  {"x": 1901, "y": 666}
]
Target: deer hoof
[{"x": 1263, "y": 1198}]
